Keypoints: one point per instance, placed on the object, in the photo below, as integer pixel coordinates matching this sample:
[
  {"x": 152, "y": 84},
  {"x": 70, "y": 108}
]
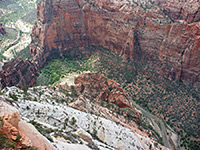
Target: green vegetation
[
  {"x": 25, "y": 89},
  {"x": 73, "y": 121},
  {"x": 94, "y": 133},
  {"x": 72, "y": 61},
  {"x": 30, "y": 17},
  {"x": 14, "y": 16},
  {"x": 18, "y": 9},
  {"x": 13, "y": 11},
  {"x": 187, "y": 143},
  {"x": 5, "y": 142},
  {"x": 59, "y": 66},
  {"x": 5, "y": 4},
  {"x": 13, "y": 96},
  {"x": 73, "y": 92},
  {"x": 24, "y": 54},
  {"x": 43, "y": 130},
  {"x": 56, "y": 69},
  {"x": 1, "y": 56},
  {"x": 1, "y": 122},
  {"x": 11, "y": 34},
  {"x": 18, "y": 137}
]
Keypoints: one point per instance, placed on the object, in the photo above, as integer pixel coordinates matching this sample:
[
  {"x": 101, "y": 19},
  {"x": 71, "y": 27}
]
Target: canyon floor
[
  {"x": 141, "y": 82},
  {"x": 18, "y": 18}
]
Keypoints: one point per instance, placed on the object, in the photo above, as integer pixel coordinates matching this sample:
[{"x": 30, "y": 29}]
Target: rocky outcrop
[
  {"x": 2, "y": 29},
  {"x": 16, "y": 133},
  {"x": 96, "y": 86},
  {"x": 140, "y": 30},
  {"x": 18, "y": 72}
]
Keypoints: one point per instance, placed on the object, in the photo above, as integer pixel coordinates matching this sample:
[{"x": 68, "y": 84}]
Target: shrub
[
  {"x": 1, "y": 122},
  {"x": 5, "y": 142},
  {"x": 13, "y": 96},
  {"x": 74, "y": 92},
  {"x": 73, "y": 121},
  {"x": 25, "y": 89},
  {"x": 18, "y": 137}
]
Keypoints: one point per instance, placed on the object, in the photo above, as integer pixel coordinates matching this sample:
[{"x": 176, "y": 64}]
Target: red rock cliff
[
  {"x": 18, "y": 72},
  {"x": 189, "y": 11},
  {"x": 133, "y": 29},
  {"x": 165, "y": 31}
]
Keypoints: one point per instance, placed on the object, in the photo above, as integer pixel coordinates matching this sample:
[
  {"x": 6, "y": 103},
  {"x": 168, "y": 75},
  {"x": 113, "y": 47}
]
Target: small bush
[
  {"x": 1, "y": 122},
  {"x": 13, "y": 96},
  {"x": 25, "y": 89},
  {"x": 5, "y": 142},
  {"x": 27, "y": 107},
  {"x": 74, "y": 93},
  {"x": 18, "y": 137},
  {"x": 73, "y": 121}
]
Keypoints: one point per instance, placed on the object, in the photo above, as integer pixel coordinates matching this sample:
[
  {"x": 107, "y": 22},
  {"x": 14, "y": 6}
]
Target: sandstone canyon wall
[
  {"x": 167, "y": 32},
  {"x": 18, "y": 72},
  {"x": 134, "y": 29}
]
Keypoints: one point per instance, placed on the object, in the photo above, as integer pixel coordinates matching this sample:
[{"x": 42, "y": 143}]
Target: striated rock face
[
  {"x": 17, "y": 132},
  {"x": 176, "y": 47},
  {"x": 188, "y": 11},
  {"x": 140, "y": 30},
  {"x": 2, "y": 29},
  {"x": 96, "y": 86},
  {"x": 18, "y": 72}
]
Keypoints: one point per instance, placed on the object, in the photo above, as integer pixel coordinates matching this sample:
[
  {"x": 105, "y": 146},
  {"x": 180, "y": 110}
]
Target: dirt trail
[{"x": 23, "y": 38}]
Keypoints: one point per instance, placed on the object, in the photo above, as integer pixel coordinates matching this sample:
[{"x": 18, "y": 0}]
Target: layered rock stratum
[{"x": 177, "y": 10}]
